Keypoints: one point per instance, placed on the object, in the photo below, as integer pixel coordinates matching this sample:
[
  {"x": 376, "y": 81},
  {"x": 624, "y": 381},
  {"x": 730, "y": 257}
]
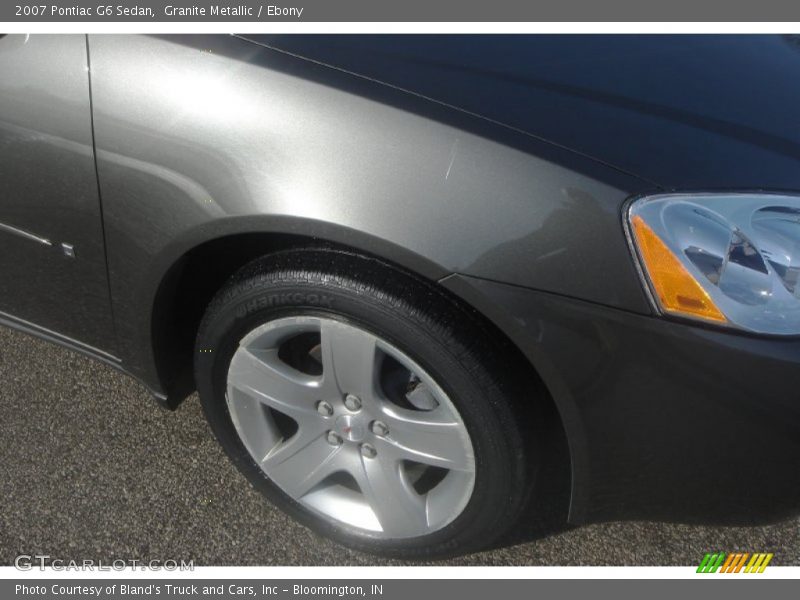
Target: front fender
[{"x": 200, "y": 137}]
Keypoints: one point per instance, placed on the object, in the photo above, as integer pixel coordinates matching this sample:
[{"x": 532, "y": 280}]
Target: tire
[{"x": 312, "y": 316}]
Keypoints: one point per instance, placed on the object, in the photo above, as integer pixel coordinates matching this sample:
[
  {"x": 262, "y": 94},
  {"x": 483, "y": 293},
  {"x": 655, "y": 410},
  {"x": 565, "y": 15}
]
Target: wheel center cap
[{"x": 351, "y": 428}]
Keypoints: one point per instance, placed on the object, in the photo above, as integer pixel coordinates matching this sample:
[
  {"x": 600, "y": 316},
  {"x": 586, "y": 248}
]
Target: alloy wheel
[{"x": 351, "y": 427}]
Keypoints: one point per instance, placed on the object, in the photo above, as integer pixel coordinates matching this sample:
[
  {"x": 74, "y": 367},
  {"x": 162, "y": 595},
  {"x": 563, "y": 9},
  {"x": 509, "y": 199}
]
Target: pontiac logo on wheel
[
  {"x": 734, "y": 562},
  {"x": 351, "y": 428}
]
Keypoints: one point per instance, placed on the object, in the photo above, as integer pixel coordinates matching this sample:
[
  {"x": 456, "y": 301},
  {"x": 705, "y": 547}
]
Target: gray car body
[{"x": 142, "y": 152}]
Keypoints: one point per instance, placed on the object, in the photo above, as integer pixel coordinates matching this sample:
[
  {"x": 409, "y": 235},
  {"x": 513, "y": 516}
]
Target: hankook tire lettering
[{"x": 283, "y": 299}]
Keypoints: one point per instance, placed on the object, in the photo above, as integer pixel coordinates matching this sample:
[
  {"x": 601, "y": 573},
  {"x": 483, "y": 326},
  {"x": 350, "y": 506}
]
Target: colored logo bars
[{"x": 734, "y": 562}]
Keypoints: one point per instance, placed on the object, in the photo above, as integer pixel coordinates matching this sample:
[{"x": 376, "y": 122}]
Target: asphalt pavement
[{"x": 94, "y": 469}]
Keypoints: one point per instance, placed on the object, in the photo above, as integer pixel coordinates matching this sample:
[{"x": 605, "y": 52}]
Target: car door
[{"x": 52, "y": 257}]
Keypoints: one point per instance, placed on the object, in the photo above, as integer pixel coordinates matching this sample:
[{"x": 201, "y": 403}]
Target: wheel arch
[
  {"x": 187, "y": 273},
  {"x": 198, "y": 270}
]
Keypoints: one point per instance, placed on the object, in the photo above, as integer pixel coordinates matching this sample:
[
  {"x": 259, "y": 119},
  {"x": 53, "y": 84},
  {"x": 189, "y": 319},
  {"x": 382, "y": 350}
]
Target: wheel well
[
  {"x": 191, "y": 283},
  {"x": 186, "y": 290}
]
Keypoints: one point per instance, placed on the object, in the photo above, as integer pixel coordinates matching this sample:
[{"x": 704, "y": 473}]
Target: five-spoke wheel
[
  {"x": 348, "y": 425},
  {"x": 367, "y": 404}
]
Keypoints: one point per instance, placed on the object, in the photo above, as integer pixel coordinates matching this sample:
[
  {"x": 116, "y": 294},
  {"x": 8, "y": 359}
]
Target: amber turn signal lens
[{"x": 677, "y": 290}]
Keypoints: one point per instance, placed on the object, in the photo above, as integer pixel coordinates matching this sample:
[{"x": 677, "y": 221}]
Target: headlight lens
[{"x": 729, "y": 259}]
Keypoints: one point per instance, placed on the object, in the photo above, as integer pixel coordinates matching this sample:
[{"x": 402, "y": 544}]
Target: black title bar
[{"x": 464, "y": 11}]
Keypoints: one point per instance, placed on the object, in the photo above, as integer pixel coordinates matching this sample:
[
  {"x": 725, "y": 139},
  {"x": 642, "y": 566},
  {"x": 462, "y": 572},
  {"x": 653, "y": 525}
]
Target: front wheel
[{"x": 365, "y": 404}]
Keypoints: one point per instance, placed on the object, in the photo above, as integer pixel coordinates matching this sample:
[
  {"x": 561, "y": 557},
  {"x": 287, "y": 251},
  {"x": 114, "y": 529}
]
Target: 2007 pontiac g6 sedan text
[{"x": 394, "y": 266}]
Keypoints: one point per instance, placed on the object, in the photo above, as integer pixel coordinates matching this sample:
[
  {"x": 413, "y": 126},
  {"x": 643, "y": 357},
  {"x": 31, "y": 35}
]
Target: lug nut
[
  {"x": 334, "y": 439},
  {"x": 325, "y": 409},
  {"x": 368, "y": 451},
  {"x": 380, "y": 428},
  {"x": 352, "y": 402}
]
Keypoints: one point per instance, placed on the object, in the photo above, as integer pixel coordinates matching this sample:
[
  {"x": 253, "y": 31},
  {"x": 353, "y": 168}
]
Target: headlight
[{"x": 729, "y": 259}]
